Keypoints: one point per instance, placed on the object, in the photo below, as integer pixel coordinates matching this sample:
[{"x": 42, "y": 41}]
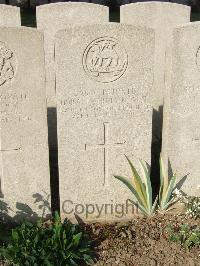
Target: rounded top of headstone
[
  {"x": 155, "y": 14},
  {"x": 70, "y": 4},
  {"x": 8, "y": 7},
  {"x": 156, "y": 4},
  {"x": 10, "y": 16},
  {"x": 65, "y": 13}
]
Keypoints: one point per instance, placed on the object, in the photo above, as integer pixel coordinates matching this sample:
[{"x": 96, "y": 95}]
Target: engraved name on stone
[
  {"x": 105, "y": 60},
  {"x": 103, "y": 102},
  {"x": 182, "y": 108},
  {"x": 11, "y": 107}
]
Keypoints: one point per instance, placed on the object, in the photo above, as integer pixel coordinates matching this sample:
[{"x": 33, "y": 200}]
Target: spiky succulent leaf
[
  {"x": 145, "y": 211},
  {"x": 162, "y": 172},
  {"x": 166, "y": 187},
  {"x": 148, "y": 185},
  {"x": 155, "y": 204},
  {"x": 132, "y": 189},
  {"x": 167, "y": 196},
  {"x": 137, "y": 180},
  {"x": 137, "y": 187}
]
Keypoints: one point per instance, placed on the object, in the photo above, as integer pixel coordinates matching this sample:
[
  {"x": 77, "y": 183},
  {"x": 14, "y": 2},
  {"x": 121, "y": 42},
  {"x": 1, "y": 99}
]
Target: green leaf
[
  {"x": 148, "y": 185},
  {"x": 155, "y": 204},
  {"x": 137, "y": 177},
  {"x": 162, "y": 172},
  {"x": 76, "y": 238},
  {"x": 165, "y": 201},
  {"x": 129, "y": 185},
  {"x": 15, "y": 235},
  {"x": 143, "y": 210}
]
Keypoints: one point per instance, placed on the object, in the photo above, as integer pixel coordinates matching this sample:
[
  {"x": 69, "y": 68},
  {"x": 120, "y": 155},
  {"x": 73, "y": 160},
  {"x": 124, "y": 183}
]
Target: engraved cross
[
  {"x": 1, "y": 164},
  {"x": 105, "y": 146}
]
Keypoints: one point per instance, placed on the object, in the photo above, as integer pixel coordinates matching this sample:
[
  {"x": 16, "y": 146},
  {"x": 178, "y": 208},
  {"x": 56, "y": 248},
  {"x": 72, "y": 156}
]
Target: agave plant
[
  {"x": 141, "y": 189},
  {"x": 167, "y": 187}
]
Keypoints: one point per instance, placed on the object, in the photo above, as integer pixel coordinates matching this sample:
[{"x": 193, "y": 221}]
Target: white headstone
[
  {"x": 54, "y": 17},
  {"x": 104, "y": 82},
  {"x": 162, "y": 17},
  {"x": 181, "y": 134},
  {"x": 24, "y": 169},
  {"x": 10, "y": 16},
  {"x": 50, "y": 19}
]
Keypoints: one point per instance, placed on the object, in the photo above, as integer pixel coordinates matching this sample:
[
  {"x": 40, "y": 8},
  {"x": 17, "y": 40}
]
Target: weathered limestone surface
[
  {"x": 24, "y": 169},
  {"x": 54, "y": 17},
  {"x": 10, "y": 16},
  {"x": 50, "y": 19},
  {"x": 162, "y": 17},
  {"x": 181, "y": 134},
  {"x": 104, "y": 83}
]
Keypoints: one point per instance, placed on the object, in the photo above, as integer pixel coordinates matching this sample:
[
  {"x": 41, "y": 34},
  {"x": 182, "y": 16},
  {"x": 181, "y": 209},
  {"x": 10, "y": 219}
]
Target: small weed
[
  {"x": 192, "y": 203},
  {"x": 193, "y": 207},
  {"x": 53, "y": 243},
  {"x": 185, "y": 235}
]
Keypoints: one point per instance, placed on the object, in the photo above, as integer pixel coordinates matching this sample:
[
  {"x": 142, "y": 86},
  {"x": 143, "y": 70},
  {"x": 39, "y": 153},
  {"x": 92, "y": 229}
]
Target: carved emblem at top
[
  {"x": 105, "y": 60},
  {"x": 7, "y": 68}
]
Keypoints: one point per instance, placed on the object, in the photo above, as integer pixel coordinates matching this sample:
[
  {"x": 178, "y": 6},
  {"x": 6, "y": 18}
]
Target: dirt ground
[{"x": 143, "y": 241}]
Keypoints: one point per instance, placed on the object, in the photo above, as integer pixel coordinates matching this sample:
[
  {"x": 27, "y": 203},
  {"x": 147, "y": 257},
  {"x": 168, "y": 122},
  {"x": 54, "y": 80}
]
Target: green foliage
[
  {"x": 55, "y": 243},
  {"x": 185, "y": 235},
  {"x": 166, "y": 188},
  {"x": 193, "y": 207},
  {"x": 141, "y": 189}
]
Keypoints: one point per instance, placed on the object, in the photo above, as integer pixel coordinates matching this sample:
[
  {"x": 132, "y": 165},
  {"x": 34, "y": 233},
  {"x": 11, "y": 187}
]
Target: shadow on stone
[
  {"x": 157, "y": 121},
  {"x": 53, "y": 158},
  {"x": 24, "y": 212}
]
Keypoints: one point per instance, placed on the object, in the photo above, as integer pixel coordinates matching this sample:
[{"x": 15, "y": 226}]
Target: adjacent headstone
[
  {"x": 104, "y": 82},
  {"x": 10, "y": 16},
  {"x": 50, "y": 19},
  {"x": 54, "y": 17},
  {"x": 181, "y": 134},
  {"x": 162, "y": 17},
  {"x": 24, "y": 169}
]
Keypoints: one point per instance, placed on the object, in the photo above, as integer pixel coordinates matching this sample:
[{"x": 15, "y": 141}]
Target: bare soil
[{"x": 143, "y": 241}]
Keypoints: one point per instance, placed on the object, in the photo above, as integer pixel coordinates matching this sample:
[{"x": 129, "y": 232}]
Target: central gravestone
[{"x": 104, "y": 83}]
